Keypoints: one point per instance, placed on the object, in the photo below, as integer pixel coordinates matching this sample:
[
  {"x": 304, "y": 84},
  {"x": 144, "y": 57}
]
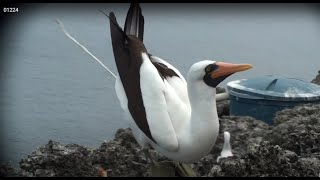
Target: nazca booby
[{"x": 176, "y": 117}]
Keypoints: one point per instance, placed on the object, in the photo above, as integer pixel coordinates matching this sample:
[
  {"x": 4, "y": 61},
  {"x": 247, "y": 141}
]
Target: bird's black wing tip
[{"x": 111, "y": 14}]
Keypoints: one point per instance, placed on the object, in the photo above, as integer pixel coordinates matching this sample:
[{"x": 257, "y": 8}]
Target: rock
[
  {"x": 309, "y": 167},
  {"x": 298, "y": 112},
  {"x": 233, "y": 166},
  {"x": 243, "y": 130},
  {"x": 293, "y": 142},
  {"x": 297, "y": 130},
  {"x": 220, "y": 90},
  {"x": 204, "y": 165},
  {"x": 223, "y": 108},
  {"x": 265, "y": 159},
  {"x": 44, "y": 173},
  {"x": 215, "y": 171},
  {"x": 6, "y": 170},
  {"x": 316, "y": 80},
  {"x": 123, "y": 156},
  {"x": 55, "y": 159}
]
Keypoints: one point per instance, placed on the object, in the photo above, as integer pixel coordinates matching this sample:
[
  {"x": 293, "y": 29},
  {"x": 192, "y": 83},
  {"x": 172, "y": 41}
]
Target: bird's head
[{"x": 212, "y": 72}]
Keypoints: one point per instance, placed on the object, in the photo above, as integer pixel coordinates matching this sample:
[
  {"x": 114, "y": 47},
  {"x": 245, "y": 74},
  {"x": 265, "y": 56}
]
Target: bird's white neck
[{"x": 204, "y": 122}]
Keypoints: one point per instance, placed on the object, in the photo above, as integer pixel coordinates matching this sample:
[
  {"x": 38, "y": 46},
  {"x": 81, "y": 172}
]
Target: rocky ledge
[{"x": 290, "y": 147}]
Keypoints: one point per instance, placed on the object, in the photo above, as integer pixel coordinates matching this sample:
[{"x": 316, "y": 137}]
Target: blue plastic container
[{"x": 263, "y": 96}]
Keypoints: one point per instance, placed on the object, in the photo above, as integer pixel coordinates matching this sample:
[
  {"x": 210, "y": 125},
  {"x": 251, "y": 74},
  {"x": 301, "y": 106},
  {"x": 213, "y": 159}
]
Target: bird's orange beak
[{"x": 229, "y": 68}]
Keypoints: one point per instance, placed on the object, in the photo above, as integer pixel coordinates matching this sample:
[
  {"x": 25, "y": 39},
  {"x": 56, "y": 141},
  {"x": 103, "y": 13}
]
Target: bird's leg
[
  {"x": 185, "y": 170},
  {"x": 162, "y": 169},
  {"x": 148, "y": 156},
  {"x": 168, "y": 168}
]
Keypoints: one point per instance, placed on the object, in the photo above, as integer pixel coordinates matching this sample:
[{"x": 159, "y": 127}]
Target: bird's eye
[{"x": 208, "y": 69}]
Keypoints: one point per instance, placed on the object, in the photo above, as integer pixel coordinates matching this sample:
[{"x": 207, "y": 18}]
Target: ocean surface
[{"x": 51, "y": 89}]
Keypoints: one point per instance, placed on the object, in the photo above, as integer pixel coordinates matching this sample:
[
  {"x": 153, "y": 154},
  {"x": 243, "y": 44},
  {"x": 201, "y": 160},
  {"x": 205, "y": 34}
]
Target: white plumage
[{"x": 184, "y": 129}]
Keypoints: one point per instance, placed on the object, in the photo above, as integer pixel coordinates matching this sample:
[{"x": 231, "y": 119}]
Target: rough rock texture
[
  {"x": 300, "y": 132},
  {"x": 265, "y": 159},
  {"x": 223, "y": 108},
  {"x": 243, "y": 130},
  {"x": 220, "y": 90},
  {"x": 123, "y": 156},
  {"x": 55, "y": 159},
  {"x": 6, "y": 170},
  {"x": 307, "y": 111},
  {"x": 316, "y": 80}
]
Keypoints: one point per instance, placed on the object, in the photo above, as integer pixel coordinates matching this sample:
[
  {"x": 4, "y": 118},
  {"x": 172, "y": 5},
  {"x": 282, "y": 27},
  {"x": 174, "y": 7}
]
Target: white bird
[
  {"x": 176, "y": 117},
  {"x": 226, "y": 150}
]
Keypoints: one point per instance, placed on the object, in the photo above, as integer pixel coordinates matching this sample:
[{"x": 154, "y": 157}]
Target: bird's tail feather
[
  {"x": 134, "y": 24},
  {"x": 114, "y": 23}
]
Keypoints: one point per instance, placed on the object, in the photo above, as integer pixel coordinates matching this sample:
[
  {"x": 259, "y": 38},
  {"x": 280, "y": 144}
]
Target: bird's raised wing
[
  {"x": 173, "y": 77},
  {"x": 143, "y": 87},
  {"x": 134, "y": 24}
]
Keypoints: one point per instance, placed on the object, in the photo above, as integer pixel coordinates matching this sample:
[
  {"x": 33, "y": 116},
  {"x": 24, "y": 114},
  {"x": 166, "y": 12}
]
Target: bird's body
[
  {"x": 176, "y": 117},
  {"x": 180, "y": 134}
]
